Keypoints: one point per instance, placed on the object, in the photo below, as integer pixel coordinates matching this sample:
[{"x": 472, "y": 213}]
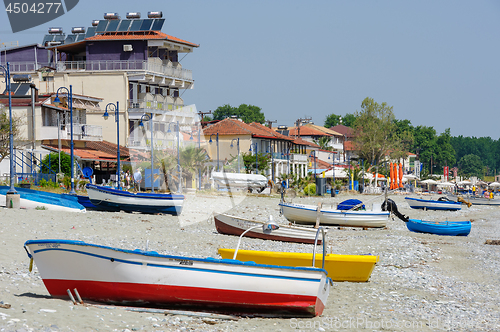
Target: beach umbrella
[
  {"x": 429, "y": 181},
  {"x": 494, "y": 184},
  {"x": 446, "y": 184},
  {"x": 409, "y": 176},
  {"x": 464, "y": 182},
  {"x": 400, "y": 175}
]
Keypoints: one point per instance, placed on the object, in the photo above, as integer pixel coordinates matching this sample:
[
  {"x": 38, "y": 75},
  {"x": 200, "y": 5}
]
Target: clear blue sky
[{"x": 436, "y": 62}]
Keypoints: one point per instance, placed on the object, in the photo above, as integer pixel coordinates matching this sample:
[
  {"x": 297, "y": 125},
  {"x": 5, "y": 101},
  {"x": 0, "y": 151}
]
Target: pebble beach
[{"x": 422, "y": 282}]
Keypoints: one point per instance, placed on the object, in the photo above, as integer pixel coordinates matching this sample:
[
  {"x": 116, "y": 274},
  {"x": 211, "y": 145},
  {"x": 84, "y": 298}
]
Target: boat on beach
[
  {"x": 109, "y": 199},
  {"x": 231, "y": 225},
  {"x": 146, "y": 278},
  {"x": 240, "y": 181},
  {"x": 307, "y": 214},
  {"x": 355, "y": 268},
  {"x": 452, "y": 228},
  {"x": 475, "y": 200},
  {"x": 37, "y": 199},
  {"x": 431, "y": 204}
]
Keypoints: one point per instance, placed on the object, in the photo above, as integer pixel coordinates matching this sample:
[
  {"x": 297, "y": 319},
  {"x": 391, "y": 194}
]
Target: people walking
[{"x": 137, "y": 179}]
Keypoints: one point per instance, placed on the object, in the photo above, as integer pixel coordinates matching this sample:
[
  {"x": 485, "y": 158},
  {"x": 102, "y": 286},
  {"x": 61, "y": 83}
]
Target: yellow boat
[{"x": 356, "y": 268}]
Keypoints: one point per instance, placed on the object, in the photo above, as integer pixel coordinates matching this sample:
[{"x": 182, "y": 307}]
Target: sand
[{"x": 422, "y": 282}]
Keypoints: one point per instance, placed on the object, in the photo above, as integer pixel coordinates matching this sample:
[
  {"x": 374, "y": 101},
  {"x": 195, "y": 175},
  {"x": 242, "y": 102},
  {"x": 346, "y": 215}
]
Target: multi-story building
[{"x": 127, "y": 62}]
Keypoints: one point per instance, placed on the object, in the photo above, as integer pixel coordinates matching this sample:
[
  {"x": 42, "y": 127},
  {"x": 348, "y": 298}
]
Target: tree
[
  {"x": 250, "y": 164},
  {"x": 51, "y": 161},
  {"x": 470, "y": 165},
  {"x": 324, "y": 142},
  {"x": 191, "y": 159},
  {"x": 375, "y": 131},
  {"x": 247, "y": 113},
  {"x": 445, "y": 154},
  {"x": 347, "y": 120},
  {"x": 5, "y": 132}
]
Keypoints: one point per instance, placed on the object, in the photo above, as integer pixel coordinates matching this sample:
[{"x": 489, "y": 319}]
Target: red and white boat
[
  {"x": 119, "y": 276},
  {"x": 231, "y": 225}
]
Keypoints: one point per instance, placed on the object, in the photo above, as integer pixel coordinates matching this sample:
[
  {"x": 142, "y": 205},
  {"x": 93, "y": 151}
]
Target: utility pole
[
  {"x": 202, "y": 114},
  {"x": 299, "y": 122}
]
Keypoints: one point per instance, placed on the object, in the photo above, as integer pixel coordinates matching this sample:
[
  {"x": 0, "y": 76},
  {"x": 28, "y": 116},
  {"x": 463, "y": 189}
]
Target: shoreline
[{"x": 433, "y": 282}]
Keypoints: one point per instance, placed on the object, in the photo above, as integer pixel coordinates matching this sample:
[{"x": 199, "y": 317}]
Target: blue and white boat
[
  {"x": 37, "y": 199},
  {"x": 430, "y": 204},
  {"x": 106, "y": 198},
  {"x": 453, "y": 228}
]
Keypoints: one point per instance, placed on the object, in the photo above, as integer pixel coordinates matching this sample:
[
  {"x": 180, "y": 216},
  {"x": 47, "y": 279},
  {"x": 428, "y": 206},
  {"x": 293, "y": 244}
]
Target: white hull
[
  {"x": 123, "y": 276},
  {"x": 29, "y": 204},
  {"x": 307, "y": 214},
  {"x": 427, "y": 204}
]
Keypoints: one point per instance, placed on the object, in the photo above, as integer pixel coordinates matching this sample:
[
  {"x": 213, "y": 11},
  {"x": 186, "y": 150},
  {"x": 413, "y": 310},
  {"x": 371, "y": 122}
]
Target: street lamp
[
  {"x": 332, "y": 192},
  {"x": 117, "y": 120},
  {"x": 149, "y": 117},
  {"x": 238, "y": 146},
  {"x": 11, "y": 190},
  {"x": 271, "y": 150},
  {"x": 57, "y": 101},
  {"x": 217, "y": 141},
  {"x": 178, "y": 153}
]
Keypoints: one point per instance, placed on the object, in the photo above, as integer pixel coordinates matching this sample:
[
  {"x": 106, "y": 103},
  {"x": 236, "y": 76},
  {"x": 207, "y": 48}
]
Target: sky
[{"x": 435, "y": 62}]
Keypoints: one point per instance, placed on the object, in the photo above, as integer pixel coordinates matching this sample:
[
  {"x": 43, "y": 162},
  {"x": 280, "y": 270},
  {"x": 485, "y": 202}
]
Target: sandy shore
[{"x": 422, "y": 282}]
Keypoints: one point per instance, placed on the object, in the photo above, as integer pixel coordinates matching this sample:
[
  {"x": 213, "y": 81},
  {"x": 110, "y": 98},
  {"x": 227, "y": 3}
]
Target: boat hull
[
  {"x": 119, "y": 200},
  {"x": 307, "y": 214},
  {"x": 478, "y": 200},
  {"x": 452, "y": 228},
  {"x": 111, "y": 275},
  {"x": 231, "y": 225},
  {"x": 36, "y": 199},
  {"x": 429, "y": 204},
  {"x": 354, "y": 268}
]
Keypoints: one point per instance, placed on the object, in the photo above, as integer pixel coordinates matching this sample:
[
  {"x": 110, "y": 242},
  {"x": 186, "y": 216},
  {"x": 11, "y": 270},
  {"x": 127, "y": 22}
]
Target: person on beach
[
  {"x": 137, "y": 179},
  {"x": 127, "y": 179}
]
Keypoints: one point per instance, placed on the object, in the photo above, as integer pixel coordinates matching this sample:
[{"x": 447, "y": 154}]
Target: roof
[
  {"x": 231, "y": 126},
  {"x": 320, "y": 164},
  {"x": 324, "y": 129},
  {"x": 343, "y": 130},
  {"x": 150, "y": 35},
  {"x": 300, "y": 141},
  {"x": 312, "y": 130}
]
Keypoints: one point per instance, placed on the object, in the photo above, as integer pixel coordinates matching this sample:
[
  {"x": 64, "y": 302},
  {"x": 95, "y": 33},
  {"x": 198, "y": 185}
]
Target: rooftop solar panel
[
  {"x": 70, "y": 39},
  {"x": 59, "y": 38},
  {"x": 101, "y": 27},
  {"x": 22, "y": 89},
  {"x": 112, "y": 25},
  {"x": 136, "y": 25},
  {"x": 124, "y": 25},
  {"x": 158, "y": 24},
  {"x": 80, "y": 37},
  {"x": 47, "y": 38},
  {"x": 90, "y": 32},
  {"x": 146, "y": 25}
]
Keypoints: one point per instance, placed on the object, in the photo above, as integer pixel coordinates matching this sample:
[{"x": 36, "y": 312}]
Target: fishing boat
[
  {"x": 475, "y": 200},
  {"x": 231, "y": 225},
  {"x": 240, "y": 180},
  {"x": 146, "y": 278},
  {"x": 454, "y": 228},
  {"x": 37, "y": 199},
  {"x": 307, "y": 214},
  {"x": 355, "y": 268},
  {"x": 431, "y": 204},
  {"x": 109, "y": 199}
]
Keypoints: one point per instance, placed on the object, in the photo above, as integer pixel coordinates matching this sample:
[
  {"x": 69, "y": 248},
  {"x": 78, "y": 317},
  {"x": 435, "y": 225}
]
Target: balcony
[
  {"x": 80, "y": 132},
  {"x": 150, "y": 105}
]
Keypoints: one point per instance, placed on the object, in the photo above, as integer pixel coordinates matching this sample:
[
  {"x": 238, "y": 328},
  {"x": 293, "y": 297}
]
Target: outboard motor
[{"x": 390, "y": 205}]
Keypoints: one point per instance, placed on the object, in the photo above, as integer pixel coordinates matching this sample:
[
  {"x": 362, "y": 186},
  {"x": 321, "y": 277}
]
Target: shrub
[{"x": 310, "y": 189}]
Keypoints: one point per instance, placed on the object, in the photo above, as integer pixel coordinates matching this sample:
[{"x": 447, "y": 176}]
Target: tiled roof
[
  {"x": 307, "y": 131},
  {"x": 343, "y": 130},
  {"x": 109, "y": 148},
  {"x": 300, "y": 141},
  {"x": 320, "y": 164},
  {"x": 323, "y": 129},
  {"x": 135, "y": 36},
  {"x": 230, "y": 126}
]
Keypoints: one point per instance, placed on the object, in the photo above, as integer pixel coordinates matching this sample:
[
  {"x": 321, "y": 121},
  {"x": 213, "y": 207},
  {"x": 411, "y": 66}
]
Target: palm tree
[
  {"x": 191, "y": 159},
  {"x": 324, "y": 142},
  {"x": 168, "y": 165}
]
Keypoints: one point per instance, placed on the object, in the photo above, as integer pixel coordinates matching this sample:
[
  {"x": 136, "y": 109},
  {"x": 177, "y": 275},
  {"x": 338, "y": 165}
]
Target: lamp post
[
  {"x": 238, "y": 146},
  {"x": 178, "y": 153},
  {"x": 313, "y": 154},
  {"x": 332, "y": 192},
  {"x": 117, "y": 120},
  {"x": 256, "y": 157},
  {"x": 217, "y": 141},
  {"x": 271, "y": 150},
  {"x": 57, "y": 101},
  {"x": 149, "y": 117},
  {"x": 11, "y": 190}
]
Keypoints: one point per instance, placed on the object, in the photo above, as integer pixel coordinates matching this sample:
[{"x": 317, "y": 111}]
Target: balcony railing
[
  {"x": 155, "y": 105},
  {"x": 80, "y": 132}
]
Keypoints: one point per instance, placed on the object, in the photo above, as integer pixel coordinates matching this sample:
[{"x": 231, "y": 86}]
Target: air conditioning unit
[{"x": 127, "y": 48}]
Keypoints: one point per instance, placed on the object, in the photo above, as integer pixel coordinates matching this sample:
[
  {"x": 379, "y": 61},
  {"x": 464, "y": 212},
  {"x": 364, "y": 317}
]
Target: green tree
[
  {"x": 5, "y": 131},
  {"x": 324, "y": 142},
  {"x": 52, "y": 160},
  {"x": 425, "y": 145},
  {"x": 445, "y": 154},
  {"x": 333, "y": 119},
  {"x": 249, "y": 160},
  {"x": 191, "y": 159},
  {"x": 247, "y": 113},
  {"x": 470, "y": 165},
  {"x": 375, "y": 131}
]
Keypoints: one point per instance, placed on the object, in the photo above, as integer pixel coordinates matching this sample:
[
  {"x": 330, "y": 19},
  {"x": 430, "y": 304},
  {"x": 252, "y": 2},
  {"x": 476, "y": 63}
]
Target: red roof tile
[
  {"x": 306, "y": 131},
  {"x": 142, "y": 36},
  {"x": 230, "y": 126},
  {"x": 300, "y": 141}
]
